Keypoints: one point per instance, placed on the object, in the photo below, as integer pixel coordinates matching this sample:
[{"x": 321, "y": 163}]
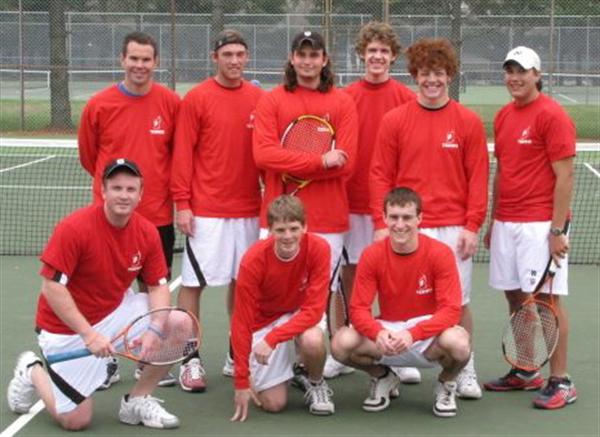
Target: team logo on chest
[
  {"x": 303, "y": 283},
  {"x": 136, "y": 262},
  {"x": 250, "y": 124},
  {"x": 423, "y": 285},
  {"x": 450, "y": 142},
  {"x": 525, "y": 137},
  {"x": 157, "y": 126}
]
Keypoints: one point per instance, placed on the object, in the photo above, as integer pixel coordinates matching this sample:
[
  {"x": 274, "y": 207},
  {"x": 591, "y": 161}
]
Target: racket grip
[{"x": 66, "y": 356}]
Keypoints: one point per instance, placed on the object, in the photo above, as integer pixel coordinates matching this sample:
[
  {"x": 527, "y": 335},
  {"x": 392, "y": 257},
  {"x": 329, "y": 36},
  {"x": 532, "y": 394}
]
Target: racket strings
[
  {"x": 532, "y": 336},
  {"x": 179, "y": 341},
  {"x": 309, "y": 136},
  {"x": 337, "y": 312}
]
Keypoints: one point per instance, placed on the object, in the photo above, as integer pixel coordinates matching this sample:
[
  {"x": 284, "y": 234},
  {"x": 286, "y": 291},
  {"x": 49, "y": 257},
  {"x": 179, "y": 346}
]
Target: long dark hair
[{"x": 327, "y": 79}]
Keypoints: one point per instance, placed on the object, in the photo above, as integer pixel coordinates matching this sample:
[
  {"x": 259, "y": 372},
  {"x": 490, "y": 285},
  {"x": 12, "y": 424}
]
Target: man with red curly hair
[{"x": 437, "y": 147}]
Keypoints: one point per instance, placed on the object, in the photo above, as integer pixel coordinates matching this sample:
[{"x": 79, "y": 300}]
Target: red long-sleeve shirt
[
  {"x": 528, "y": 140},
  {"x": 442, "y": 155},
  {"x": 214, "y": 173},
  {"x": 325, "y": 198},
  {"x": 267, "y": 288},
  {"x": 115, "y": 124},
  {"x": 97, "y": 263},
  {"x": 407, "y": 286},
  {"x": 373, "y": 101}
]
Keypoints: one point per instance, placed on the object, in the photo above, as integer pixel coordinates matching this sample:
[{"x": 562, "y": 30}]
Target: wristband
[{"x": 157, "y": 331}]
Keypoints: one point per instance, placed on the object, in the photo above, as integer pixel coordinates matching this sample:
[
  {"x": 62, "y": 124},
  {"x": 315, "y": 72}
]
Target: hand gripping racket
[
  {"x": 178, "y": 338},
  {"x": 308, "y": 134},
  {"x": 531, "y": 335}
]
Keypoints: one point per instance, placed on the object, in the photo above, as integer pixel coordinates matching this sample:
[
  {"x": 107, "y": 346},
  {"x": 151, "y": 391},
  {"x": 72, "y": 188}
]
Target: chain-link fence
[{"x": 60, "y": 52}]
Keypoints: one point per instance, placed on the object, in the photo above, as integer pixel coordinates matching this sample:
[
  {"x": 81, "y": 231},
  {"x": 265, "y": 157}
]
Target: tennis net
[{"x": 41, "y": 181}]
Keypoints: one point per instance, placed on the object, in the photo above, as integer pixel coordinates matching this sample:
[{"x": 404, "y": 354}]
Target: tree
[{"x": 60, "y": 106}]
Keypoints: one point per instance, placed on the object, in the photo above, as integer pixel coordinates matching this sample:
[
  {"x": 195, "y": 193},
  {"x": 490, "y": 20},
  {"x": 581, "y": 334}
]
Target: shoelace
[
  {"x": 468, "y": 378},
  {"x": 553, "y": 385},
  {"x": 320, "y": 393},
  {"x": 373, "y": 388},
  {"x": 445, "y": 398},
  {"x": 150, "y": 406},
  {"x": 196, "y": 369}
]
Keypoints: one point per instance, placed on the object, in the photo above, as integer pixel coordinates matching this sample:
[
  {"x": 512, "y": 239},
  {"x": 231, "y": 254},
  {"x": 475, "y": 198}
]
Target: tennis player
[
  {"x": 280, "y": 298},
  {"x": 215, "y": 184},
  {"x": 88, "y": 265},
  {"x": 533, "y": 186},
  {"x": 417, "y": 285},
  {"x": 438, "y": 148},
  {"x": 375, "y": 94},
  {"x": 135, "y": 119},
  {"x": 308, "y": 88}
]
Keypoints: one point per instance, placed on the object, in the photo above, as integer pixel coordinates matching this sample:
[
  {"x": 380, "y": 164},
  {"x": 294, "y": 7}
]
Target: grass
[
  {"x": 37, "y": 118},
  {"x": 586, "y": 118}
]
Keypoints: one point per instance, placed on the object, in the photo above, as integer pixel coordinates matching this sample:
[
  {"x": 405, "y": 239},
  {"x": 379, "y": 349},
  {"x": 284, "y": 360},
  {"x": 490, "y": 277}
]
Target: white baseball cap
[{"x": 525, "y": 57}]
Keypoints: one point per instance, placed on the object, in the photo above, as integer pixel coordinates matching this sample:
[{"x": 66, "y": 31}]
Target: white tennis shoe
[
  {"x": 147, "y": 411},
  {"x": 408, "y": 375},
  {"x": 334, "y": 368},
  {"x": 228, "y": 367},
  {"x": 467, "y": 385},
  {"x": 380, "y": 391},
  {"x": 21, "y": 393},
  {"x": 318, "y": 398},
  {"x": 445, "y": 399}
]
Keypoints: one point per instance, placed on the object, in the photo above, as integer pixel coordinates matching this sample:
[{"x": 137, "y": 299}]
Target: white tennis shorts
[
  {"x": 281, "y": 362},
  {"x": 218, "y": 246},
  {"x": 449, "y": 235},
  {"x": 359, "y": 236},
  {"x": 85, "y": 375},
  {"x": 414, "y": 356},
  {"x": 519, "y": 255}
]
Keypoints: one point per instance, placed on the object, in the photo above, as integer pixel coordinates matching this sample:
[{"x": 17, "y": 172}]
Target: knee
[
  {"x": 75, "y": 421},
  {"x": 273, "y": 405},
  {"x": 312, "y": 340},
  {"x": 343, "y": 343},
  {"x": 456, "y": 341}
]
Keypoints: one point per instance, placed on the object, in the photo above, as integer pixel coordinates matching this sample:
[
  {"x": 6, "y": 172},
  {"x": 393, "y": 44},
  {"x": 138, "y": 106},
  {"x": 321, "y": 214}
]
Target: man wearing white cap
[{"x": 535, "y": 146}]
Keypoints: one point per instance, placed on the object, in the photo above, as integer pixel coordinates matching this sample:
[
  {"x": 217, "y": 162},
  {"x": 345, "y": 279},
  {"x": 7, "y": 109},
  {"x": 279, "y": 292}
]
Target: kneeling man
[
  {"x": 280, "y": 298},
  {"x": 416, "y": 282}
]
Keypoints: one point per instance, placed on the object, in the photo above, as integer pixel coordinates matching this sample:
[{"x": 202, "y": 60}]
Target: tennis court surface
[
  {"x": 207, "y": 414},
  {"x": 40, "y": 182}
]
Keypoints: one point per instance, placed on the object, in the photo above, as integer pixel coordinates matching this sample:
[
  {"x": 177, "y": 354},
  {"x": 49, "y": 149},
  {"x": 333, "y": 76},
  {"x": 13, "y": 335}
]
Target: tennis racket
[
  {"x": 337, "y": 304},
  {"x": 531, "y": 335},
  {"x": 178, "y": 339},
  {"x": 308, "y": 134}
]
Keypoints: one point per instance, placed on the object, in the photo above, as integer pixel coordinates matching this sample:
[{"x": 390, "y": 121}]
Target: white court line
[
  {"x": 38, "y": 187},
  {"x": 567, "y": 98},
  {"x": 14, "y": 167},
  {"x": 24, "y": 419},
  {"x": 592, "y": 169},
  {"x": 72, "y": 143},
  {"x": 33, "y": 155},
  {"x": 32, "y": 142}
]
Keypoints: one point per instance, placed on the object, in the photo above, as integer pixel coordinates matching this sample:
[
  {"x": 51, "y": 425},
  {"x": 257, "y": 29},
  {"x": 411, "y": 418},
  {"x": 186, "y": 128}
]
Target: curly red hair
[{"x": 432, "y": 53}]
